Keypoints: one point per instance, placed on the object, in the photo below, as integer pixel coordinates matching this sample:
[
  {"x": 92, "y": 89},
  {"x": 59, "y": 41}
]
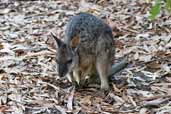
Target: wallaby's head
[{"x": 66, "y": 57}]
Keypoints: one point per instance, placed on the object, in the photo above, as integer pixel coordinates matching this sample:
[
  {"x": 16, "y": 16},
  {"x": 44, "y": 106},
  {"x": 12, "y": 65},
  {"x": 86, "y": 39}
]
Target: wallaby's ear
[
  {"x": 75, "y": 41},
  {"x": 58, "y": 41}
]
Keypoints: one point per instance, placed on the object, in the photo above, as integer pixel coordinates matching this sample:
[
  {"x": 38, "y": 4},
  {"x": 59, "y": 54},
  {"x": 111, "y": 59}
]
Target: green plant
[
  {"x": 168, "y": 5},
  {"x": 155, "y": 10}
]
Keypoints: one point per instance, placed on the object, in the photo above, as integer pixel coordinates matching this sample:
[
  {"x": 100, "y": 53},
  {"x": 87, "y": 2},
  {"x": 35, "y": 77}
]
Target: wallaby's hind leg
[{"x": 102, "y": 69}]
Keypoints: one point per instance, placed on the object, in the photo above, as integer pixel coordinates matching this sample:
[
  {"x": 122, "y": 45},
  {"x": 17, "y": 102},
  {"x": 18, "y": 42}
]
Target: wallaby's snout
[{"x": 62, "y": 70}]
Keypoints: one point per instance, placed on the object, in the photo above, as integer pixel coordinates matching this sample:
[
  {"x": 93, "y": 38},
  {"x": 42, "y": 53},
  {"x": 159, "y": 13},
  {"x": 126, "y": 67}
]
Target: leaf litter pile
[{"x": 28, "y": 79}]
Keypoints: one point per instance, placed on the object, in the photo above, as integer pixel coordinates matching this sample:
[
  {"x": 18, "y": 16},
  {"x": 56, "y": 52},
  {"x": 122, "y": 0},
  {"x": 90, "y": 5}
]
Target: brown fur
[
  {"x": 88, "y": 49},
  {"x": 75, "y": 41}
]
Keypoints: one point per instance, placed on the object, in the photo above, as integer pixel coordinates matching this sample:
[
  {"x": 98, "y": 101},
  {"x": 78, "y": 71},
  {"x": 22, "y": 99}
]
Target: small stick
[{"x": 154, "y": 97}]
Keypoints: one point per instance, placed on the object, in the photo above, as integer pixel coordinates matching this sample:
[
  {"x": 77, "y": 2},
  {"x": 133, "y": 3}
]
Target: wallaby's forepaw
[{"x": 82, "y": 84}]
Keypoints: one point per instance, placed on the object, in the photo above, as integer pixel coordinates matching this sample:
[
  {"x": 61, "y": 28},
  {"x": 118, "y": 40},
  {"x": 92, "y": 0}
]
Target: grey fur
[{"x": 94, "y": 52}]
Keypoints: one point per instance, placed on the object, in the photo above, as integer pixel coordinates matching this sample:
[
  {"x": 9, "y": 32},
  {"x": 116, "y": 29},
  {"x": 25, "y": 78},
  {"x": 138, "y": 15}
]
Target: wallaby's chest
[{"x": 87, "y": 64}]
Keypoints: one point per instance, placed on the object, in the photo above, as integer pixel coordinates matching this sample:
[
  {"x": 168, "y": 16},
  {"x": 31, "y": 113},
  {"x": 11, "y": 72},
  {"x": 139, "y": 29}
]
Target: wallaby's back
[{"x": 86, "y": 27}]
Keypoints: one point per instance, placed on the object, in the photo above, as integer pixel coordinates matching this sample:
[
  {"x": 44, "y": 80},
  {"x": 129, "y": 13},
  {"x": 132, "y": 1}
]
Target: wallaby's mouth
[
  {"x": 62, "y": 74},
  {"x": 62, "y": 70}
]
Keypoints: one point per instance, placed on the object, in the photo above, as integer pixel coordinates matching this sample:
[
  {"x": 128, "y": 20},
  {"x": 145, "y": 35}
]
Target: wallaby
[{"x": 88, "y": 49}]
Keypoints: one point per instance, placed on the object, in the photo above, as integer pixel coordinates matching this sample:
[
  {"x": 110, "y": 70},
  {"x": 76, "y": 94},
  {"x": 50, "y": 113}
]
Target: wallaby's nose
[
  {"x": 61, "y": 74},
  {"x": 62, "y": 70}
]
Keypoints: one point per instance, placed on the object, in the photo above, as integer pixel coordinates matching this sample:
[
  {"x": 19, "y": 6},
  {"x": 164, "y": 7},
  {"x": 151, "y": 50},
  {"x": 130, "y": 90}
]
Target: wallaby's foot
[
  {"x": 105, "y": 87},
  {"x": 104, "y": 83},
  {"x": 102, "y": 93}
]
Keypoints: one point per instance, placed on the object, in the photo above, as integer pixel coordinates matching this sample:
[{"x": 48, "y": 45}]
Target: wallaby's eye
[{"x": 69, "y": 61}]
